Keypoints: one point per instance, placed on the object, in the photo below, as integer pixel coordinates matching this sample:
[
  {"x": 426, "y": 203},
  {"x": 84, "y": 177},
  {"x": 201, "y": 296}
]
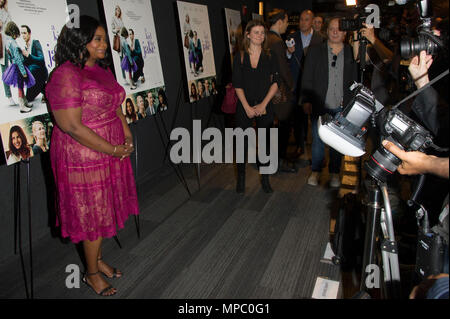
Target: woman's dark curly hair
[
  {"x": 131, "y": 115},
  {"x": 163, "y": 95},
  {"x": 24, "y": 150},
  {"x": 71, "y": 45}
]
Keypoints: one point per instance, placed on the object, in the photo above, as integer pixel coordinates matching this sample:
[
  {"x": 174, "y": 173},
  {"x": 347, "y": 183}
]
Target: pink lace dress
[{"x": 95, "y": 192}]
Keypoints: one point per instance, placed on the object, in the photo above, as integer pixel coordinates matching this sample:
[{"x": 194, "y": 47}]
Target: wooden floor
[{"x": 215, "y": 244}]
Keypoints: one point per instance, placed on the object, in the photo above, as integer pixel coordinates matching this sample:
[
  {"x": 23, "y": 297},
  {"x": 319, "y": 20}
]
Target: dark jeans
[
  {"x": 243, "y": 122},
  {"x": 318, "y": 148}
]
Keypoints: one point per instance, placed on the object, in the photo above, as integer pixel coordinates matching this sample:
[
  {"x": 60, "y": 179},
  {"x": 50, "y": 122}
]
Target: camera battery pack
[{"x": 429, "y": 255}]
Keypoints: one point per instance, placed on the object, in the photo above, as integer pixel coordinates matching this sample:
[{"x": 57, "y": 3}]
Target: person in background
[
  {"x": 214, "y": 87},
  {"x": 318, "y": 25},
  {"x": 193, "y": 97},
  {"x": 127, "y": 63},
  {"x": 18, "y": 146},
  {"x": 207, "y": 88},
  {"x": 200, "y": 90},
  {"x": 116, "y": 28},
  {"x": 305, "y": 38},
  {"x": 17, "y": 74},
  {"x": 329, "y": 72},
  {"x": 150, "y": 100},
  {"x": 162, "y": 100},
  {"x": 278, "y": 21},
  {"x": 91, "y": 146},
  {"x": 4, "y": 56},
  {"x": 136, "y": 54},
  {"x": 198, "y": 53},
  {"x": 34, "y": 60},
  {"x": 40, "y": 139},
  {"x": 130, "y": 111},
  {"x": 141, "y": 107}
]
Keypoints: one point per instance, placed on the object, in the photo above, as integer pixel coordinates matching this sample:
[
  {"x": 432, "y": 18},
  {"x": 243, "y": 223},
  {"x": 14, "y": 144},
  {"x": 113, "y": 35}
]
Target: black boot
[
  {"x": 265, "y": 184},
  {"x": 240, "y": 186}
]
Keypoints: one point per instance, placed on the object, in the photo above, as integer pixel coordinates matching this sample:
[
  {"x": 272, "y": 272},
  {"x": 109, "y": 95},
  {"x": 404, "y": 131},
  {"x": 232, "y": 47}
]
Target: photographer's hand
[
  {"x": 368, "y": 32},
  {"x": 415, "y": 163},
  {"x": 418, "y": 68}
]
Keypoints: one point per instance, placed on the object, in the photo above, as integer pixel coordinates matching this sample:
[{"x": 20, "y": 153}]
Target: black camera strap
[{"x": 421, "y": 89}]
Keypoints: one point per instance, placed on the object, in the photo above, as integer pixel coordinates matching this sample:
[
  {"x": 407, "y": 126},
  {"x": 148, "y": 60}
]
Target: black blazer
[
  {"x": 298, "y": 57},
  {"x": 315, "y": 77}
]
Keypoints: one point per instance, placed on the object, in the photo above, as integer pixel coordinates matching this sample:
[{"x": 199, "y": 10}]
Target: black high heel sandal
[
  {"x": 115, "y": 274},
  {"x": 101, "y": 293}
]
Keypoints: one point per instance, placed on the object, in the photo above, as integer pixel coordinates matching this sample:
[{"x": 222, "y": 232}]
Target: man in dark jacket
[
  {"x": 304, "y": 39},
  {"x": 329, "y": 72},
  {"x": 278, "y": 21}
]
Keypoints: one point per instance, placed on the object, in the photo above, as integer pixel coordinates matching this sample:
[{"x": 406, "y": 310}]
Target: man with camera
[
  {"x": 377, "y": 55},
  {"x": 414, "y": 163}
]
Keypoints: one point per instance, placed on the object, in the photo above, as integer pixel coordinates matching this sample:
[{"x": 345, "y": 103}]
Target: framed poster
[
  {"x": 29, "y": 31},
  {"x": 234, "y": 29},
  {"x": 137, "y": 62},
  {"x": 197, "y": 49}
]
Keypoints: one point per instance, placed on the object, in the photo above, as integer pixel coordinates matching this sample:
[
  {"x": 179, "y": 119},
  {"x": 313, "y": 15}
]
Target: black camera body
[
  {"x": 408, "y": 135},
  {"x": 345, "y": 132},
  {"x": 355, "y": 24}
]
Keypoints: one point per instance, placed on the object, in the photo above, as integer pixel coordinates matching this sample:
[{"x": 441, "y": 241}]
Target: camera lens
[
  {"x": 412, "y": 47},
  {"x": 382, "y": 164}
]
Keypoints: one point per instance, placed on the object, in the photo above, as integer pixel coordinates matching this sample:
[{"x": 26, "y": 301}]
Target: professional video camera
[
  {"x": 355, "y": 24},
  {"x": 345, "y": 132},
  {"x": 425, "y": 40}
]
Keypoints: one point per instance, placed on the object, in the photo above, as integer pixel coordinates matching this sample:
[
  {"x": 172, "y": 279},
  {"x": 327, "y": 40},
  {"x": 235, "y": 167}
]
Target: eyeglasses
[{"x": 333, "y": 64}]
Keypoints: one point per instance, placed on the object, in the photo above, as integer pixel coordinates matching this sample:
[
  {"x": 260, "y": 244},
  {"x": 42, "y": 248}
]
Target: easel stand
[
  {"x": 211, "y": 114},
  {"x": 194, "y": 116},
  {"x": 177, "y": 169},
  {"x": 169, "y": 143},
  {"x": 136, "y": 154},
  {"x": 29, "y": 291}
]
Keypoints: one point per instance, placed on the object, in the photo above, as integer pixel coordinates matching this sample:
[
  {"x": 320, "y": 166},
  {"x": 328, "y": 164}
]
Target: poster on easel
[
  {"x": 136, "y": 58},
  {"x": 234, "y": 30},
  {"x": 29, "y": 32},
  {"x": 198, "y": 50}
]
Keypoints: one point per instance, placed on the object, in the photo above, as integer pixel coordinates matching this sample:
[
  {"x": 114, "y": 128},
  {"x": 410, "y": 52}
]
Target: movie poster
[
  {"x": 132, "y": 34},
  {"x": 26, "y": 60},
  {"x": 198, "y": 50},
  {"x": 234, "y": 29}
]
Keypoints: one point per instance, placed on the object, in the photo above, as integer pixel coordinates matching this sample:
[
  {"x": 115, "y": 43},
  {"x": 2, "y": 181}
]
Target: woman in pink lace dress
[{"x": 90, "y": 148}]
